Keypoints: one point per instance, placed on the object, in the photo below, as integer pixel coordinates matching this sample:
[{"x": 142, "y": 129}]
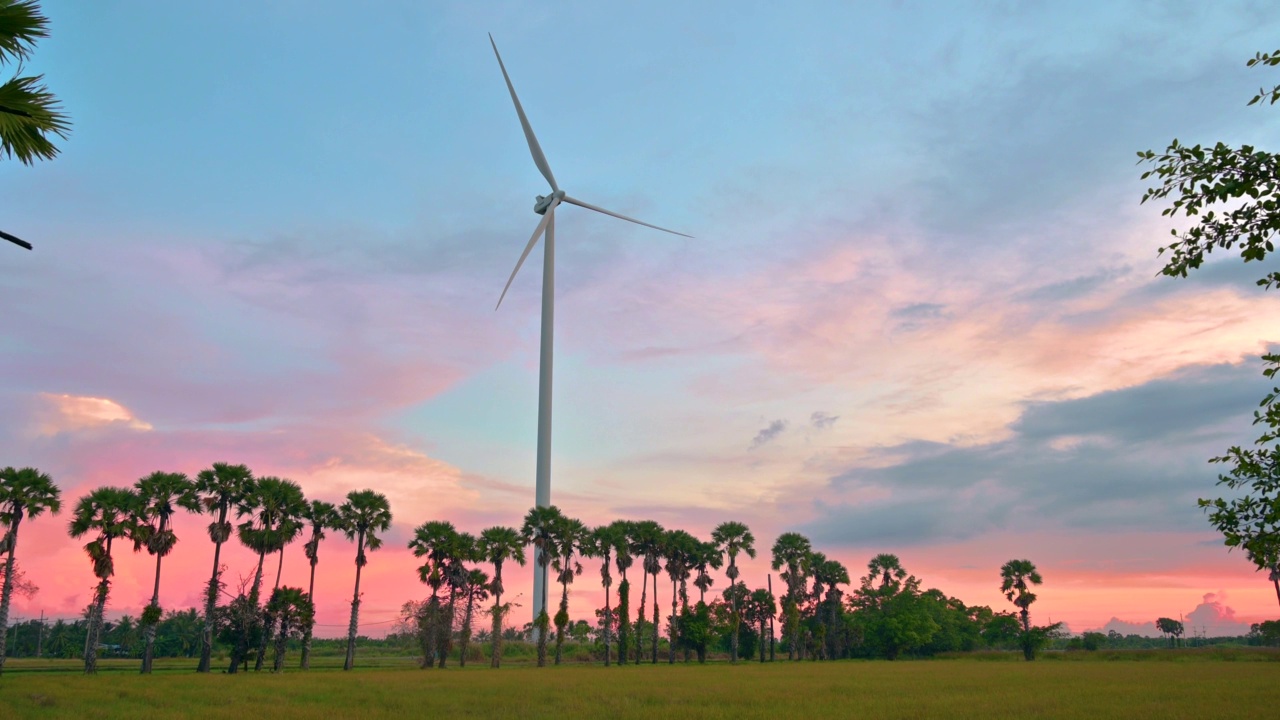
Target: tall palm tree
[
  {"x": 160, "y": 494},
  {"x": 365, "y": 514},
  {"x": 646, "y": 542},
  {"x": 760, "y": 608},
  {"x": 497, "y": 545},
  {"x": 24, "y": 493},
  {"x": 1016, "y": 576},
  {"x": 571, "y": 534},
  {"x": 220, "y": 489},
  {"x": 621, "y": 530},
  {"x": 320, "y": 516},
  {"x": 290, "y": 510},
  {"x": 457, "y": 574},
  {"x": 540, "y": 530},
  {"x": 272, "y": 508},
  {"x": 790, "y": 551},
  {"x": 731, "y": 538},
  {"x": 679, "y": 548},
  {"x": 109, "y": 514},
  {"x": 600, "y": 544},
  {"x": 475, "y": 589},
  {"x": 829, "y": 574},
  {"x": 29, "y": 113},
  {"x": 437, "y": 541}
]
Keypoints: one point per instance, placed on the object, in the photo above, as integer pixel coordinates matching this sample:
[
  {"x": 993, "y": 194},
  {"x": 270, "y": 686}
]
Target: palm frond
[
  {"x": 21, "y": 24},
  {"x": 29, "y": 113}
]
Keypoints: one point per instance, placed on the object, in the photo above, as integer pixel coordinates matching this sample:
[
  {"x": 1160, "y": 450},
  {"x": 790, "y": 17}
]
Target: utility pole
[{"x": 40, "y": 636}]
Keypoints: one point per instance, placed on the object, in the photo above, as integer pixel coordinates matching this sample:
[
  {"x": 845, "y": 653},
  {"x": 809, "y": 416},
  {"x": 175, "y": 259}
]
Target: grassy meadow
[{"x": 962, "y": 688}]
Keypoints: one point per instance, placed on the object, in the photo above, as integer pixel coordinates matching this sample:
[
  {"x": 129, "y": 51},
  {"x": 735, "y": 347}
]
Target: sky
[{"x": 921, "y": 311}]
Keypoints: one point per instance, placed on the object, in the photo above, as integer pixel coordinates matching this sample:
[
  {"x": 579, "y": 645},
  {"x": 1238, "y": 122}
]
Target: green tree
[
  {"x": 437, "y": 541},
  {"x": 107, "y": 513},
  {"x": 289, "y": 611},
  {"x": 319, "y": 516},
  {"x": 828, "y": 575},
  {"x": 540, "y": 530},
  {"x": 29, "y": 113},
  {"x": 623, "y": 559},
  {"x": 886, "y": 568},
  {"x": 365, "y": 514},
  {"x": 160, "y": 494},
  {"x": 791, "y": 551},
  {"x": 273, "y": 507},
  {"x": 1172, "y": 628},
  {"x": 495, "y": 546},
  {"x": 24, "y": 493},
  {"x": 1233, "y": 193},
  {"x": 600, "y": 543},
  {"x": 1016, "y": 577},
  {"x": 732, "y": 538},
  {"x": 646, "y": 542},
  {"x": 707, "y": 557},
  {"x": 570, "y": 534},
  {"x": 679, "y": 549},
  {"x": 220, "y": 489}
]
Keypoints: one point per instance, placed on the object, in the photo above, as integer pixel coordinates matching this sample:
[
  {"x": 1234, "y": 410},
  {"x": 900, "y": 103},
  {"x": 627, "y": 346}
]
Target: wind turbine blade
[
  {"x": 14, "y": 240},
  {"x": 534, "y": 148},
  {"x": 537, "y": 233},
  {"x": 589, "y": 206}
]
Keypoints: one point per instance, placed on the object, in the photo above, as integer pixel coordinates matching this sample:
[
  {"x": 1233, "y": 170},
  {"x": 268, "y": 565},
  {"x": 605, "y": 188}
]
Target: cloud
[
  {"x": 822, "y": 420},
  {"x": 1132, "y": 458},
  {"x": 768, "y": 434},
  {"x": 61, "y": 413},
  {"x": 1211, "y": 618}
]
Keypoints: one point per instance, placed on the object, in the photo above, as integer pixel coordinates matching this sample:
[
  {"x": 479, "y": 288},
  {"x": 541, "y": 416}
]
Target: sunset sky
[{"x": 921, "y": 313}]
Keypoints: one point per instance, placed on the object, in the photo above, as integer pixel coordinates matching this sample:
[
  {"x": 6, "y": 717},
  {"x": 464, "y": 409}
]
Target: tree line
[{"x": 886, "y": 615}]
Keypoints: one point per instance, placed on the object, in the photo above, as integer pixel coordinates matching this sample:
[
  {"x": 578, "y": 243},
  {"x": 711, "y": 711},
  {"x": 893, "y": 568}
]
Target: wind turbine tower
[{"x": 545, "y": 205}]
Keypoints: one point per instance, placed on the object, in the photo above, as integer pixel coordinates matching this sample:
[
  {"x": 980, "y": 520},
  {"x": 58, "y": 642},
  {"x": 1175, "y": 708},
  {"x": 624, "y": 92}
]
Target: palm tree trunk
[
  {"x": 149, "y": 631},
  {"x": 762, "y": 618},
  {"x": 240, "y": 652},
  {"x": 608, "y": 619},
  {"x": 671, "y": 625},
  {"x": 465, "y": 639},
  {"x": 644, "y": 589},
  {"x": 770, "y": 623},
  {"x": 496, "y": 648},
  {"x": 350, "y": 660},
  {"x": 268, "y": 627},
  {"x": 306, "y": 632},
  {"x": 281, "y": 640},
  {"x": 564, "y": 609},
  {"x": 541, "y": 626},
  {"x": 7, "y": 592},
  {"x": 446, "y": 636},
  {"x": 737, "y": 617},
  {"x": 1275, "y": 580},
  {"x": 95, "y": 620},
  {"x": 655, "y": 618},
  {"x": 210, "y": 603}
]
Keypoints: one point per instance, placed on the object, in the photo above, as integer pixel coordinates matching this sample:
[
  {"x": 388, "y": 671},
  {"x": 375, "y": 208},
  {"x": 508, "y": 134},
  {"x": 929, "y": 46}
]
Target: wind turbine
[{"x": 545, "y": 205}]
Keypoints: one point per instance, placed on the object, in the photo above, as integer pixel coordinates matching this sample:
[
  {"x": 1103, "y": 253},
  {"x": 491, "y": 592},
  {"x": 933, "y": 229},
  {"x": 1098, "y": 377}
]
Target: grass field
[{"x": 944, "y": 689}]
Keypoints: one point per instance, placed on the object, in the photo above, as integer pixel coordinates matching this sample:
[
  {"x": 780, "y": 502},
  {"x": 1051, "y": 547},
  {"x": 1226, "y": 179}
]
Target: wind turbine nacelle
[{"x": 544, "y": 201}]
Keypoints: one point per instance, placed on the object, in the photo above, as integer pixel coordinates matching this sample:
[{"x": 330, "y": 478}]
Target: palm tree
[
  {"x": 159, "y": 496},
  {"x": 497, "y": 545},
  {"x": 540, "y": 530},
  {"x": 462, "y": 551},
  {"x": 363, "y": 515},
  {"x": 437, "y": 541},
  {"x": 621, "y": 531},
  {"x": 29, "y": 113},
  {"x": 571, "y": 533},
  {"x": 23, "y": 493},
  {"x": 108, "y": 512},
  {"x": 828, "y": 574},
  {"x": 474, "y": 589},
  {"x": 732, "y": 538},
  {"x": 290, "y": 510},
  {"x": 320, "y": 516},
  {"x": 790, "y": 551},
  {"x": 600, "y": 544},
  {"x": 1015, "y": 576},
  {"x": 886, "y": 568},
  {"x": 289, "y": 610},
  {"x": 272, "y": 508},
  {"x": 220, "y": 489},
  {"x": 761, "y": 608},
  {"x": 708, "y": 556},
  {"x": 680, "y": 550},
  {"x": 646, "y": 542}
]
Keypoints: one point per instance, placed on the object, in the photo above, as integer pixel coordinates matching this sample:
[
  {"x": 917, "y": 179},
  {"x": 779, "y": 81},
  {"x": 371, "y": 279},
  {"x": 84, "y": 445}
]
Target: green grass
[{"x": 950, "y": 689}]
